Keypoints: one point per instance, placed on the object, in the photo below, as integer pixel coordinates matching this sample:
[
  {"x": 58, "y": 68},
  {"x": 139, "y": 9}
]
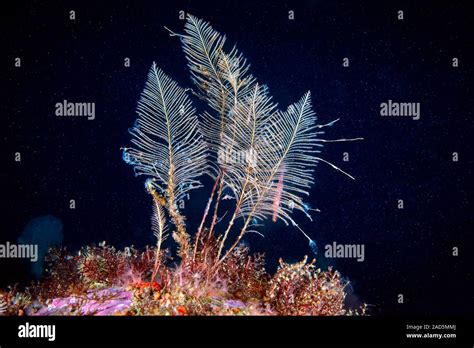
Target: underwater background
[{"x": 407, "y": 251}]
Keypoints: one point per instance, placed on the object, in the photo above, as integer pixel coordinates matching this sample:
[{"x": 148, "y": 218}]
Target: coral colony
[{"x": 261, "y": 160}]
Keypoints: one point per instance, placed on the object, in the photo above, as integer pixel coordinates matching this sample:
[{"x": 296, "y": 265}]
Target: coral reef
[{"x": 105, "y": 281}]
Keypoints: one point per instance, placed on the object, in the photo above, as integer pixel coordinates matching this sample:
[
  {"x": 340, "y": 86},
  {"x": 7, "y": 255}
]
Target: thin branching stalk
[
  {"x": 209, "y": 202},
  {"x": 216, "y": 207}
]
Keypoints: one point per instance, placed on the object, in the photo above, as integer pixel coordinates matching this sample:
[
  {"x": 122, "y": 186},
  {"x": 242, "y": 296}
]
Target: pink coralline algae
[{"x": 108, "y": 301}]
